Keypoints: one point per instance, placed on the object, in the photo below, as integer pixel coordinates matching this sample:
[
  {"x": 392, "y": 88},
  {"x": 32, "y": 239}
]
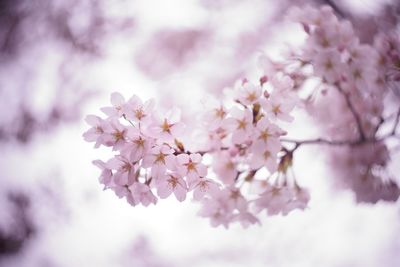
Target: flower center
[
  {"x": 139, "y": 114},
  {"x": 160, "y": 158},
  {"x": 242, "y": 124},
  {"x": 220, "y": 113},
  {"x": 191, "y": 166},
  {"x": 264, "y": 135},
  {"x": 251, "y": 97},
  {"x": 166, "y": 127},
  {"x": 276, "y": 109},
  {"x": 118, "y": 135}
]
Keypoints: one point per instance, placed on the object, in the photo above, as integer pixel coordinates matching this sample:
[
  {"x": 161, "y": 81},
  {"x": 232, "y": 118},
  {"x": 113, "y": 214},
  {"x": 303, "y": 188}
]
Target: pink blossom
[
  {"x": 125, "y": 170},
  {"x": 268, "y": 66},
  {"x": 159, "y": 159},
  {"x": 362, "y": 75},
  {"x": 191, "y": 166},
  {"x": 241, "y": 124},
  {"x": 274, "y": 200},
  {"x": 137, "y": 145},
  {"x": 96, "y": 133},
  {"x": 138, "y": 111},
  {"x": 246, "y": 219},
  {"x": 225, "y": 167},
  {"x": 202, "y": 186},
  {"x": 248, "y": 93},
  {"x": 115, "y": 134},
  {"x": 283, "y": 84},
  {"x": 106, "y": 173},
  {"x": 215, "y": 211},
  {"x": 267, "y": 134},
  {"x": 168, "y": 127},
  {"x": 117, "y": 108},
  {"x": 233, "y": 198},
  {"x": 300, "y": 200},
  {"x": 263, "y": 155},
  {"x": 172, "y": 183},
  {"x": 278, "y": 106},
  {"x": 329, "y": 66},
  {"x": 215, "y": 115},
  {"x": 141, "y": 193}
]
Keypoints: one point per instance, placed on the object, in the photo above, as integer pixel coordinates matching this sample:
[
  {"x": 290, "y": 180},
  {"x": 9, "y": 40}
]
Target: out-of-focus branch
[
  {"x": 357, "y": 142},
  {"x": 335, "y": 7},
  {"x": 353, "y": 112},
  {"x": 396, "y": 122}
]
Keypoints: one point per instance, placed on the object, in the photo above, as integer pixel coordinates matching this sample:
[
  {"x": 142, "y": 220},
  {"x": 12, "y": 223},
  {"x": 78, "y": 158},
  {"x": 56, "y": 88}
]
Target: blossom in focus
[{"x": 172, "y": 183}]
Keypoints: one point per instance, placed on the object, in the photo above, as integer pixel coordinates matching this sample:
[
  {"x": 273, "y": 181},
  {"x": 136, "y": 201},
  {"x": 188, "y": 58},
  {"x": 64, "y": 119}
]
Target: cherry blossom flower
[
  {"x": 241, "y": 124},
  {"x": 246, "y": 219},
  {"x": 138, "y": 111},
  {"x": 268, "y": 66},
  {"x": 248, "y": 93},
  {"x": 137, "y": 145},
  {"x": 106, "y": 173},
  {"x": 283, "y": 84},
  {"x": 115, "y": 134},
  {"x": 213, "y": 210},
  {"x": 191, "y": 166},
  {"x": 225, "y": 167},
  {"x": 96, "y": 133},
  {"x": 263, "y": 155},
  {"x": 328, "y": 65},
  {"x": 159, "y": 160},
  {"x": 125, "y": 170},
  {"x": 274, "y": 199},
  {"x": 141, "y": 193},
  {"x": 267, "y": 134},
  {"x": 300, "y": 201},
  {"x": 233, "y": 198},
  {"x": 172, "y": 183},
  {"x": 168, "y": 127},
  {"x": 202, "y": 186},
  {"x": 215, "y": 116},
  {"x": 278, "y": 107},
  {"x": 362, "y": 75},
  {"x": 117, "y": 108}
]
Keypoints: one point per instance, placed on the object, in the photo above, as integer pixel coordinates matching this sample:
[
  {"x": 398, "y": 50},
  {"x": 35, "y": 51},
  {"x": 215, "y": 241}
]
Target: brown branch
[
  {"x": 396, "y": 122},
  {"x": 354, "y": 112},
  {"x": 322, "y": 141},
  {"x": 335, "y": 8},
  {"x": 380, "y": 123}
]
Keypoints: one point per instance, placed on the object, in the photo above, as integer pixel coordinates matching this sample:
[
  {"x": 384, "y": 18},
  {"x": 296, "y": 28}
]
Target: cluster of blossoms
[
  {"x": 242, "y": 167},
  {"x": 243, "y": 145},
  {"x": 349, "y": 102}
]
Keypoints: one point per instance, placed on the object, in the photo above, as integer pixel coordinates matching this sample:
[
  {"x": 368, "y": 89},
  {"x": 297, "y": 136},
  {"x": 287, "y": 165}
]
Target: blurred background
[{"x": 60, "y": 60}]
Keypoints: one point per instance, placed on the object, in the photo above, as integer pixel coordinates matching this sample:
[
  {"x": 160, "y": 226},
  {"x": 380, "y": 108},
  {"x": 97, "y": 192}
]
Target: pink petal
[
  {"x": 202, "y": 170},
  {"x": 173, "y": 115},
  {"x": 117, "y": 99},
  {"x": 196, "y": 157},
  {"x": 178, "y": 129},
  {"x": 164, "y": 190},
  {"x": 180, "y": 193},
  {"x": 182, "y": 159},
  {"x": 92, "y": 120},
  {"x": 239, "y": 137}
]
